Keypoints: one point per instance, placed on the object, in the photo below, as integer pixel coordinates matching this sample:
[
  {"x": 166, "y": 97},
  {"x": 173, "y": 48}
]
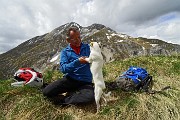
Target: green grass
[{"x": 21, "y": 103}]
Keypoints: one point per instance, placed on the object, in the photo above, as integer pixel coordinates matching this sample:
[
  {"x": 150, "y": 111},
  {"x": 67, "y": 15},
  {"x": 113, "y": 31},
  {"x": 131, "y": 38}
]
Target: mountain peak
[
  {"x": 73, "y": 24},
  {"x": 97, "y": 26}
]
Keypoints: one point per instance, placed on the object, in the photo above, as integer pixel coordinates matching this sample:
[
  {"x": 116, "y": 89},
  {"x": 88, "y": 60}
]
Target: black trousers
[{"x": 79, "y": 92}]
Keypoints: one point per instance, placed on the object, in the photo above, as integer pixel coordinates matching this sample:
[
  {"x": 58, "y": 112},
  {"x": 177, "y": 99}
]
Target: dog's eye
[{"x": 91, "y": 44}]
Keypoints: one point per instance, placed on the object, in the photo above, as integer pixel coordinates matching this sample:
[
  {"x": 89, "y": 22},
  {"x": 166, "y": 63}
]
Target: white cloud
[
  {"x": 167, "y": 31},
  {"x": 21, "y": 20}
]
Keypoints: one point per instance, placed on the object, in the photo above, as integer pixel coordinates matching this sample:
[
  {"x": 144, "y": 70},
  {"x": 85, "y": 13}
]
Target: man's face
[{"x": 74, "y": 38}]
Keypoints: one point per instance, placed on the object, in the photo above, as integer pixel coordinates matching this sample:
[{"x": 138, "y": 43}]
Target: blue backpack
[
  {"x": 136, "y": 74},
  {"x": 134, "y": 79}
]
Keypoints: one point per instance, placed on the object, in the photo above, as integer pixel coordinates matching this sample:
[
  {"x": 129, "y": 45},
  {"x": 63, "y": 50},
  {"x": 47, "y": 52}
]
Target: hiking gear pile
[
  {"x": 27, "y": 76},
  {"x": 134, "y": 79}
]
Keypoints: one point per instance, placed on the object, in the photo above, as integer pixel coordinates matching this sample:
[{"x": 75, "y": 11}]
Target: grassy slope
[{"x": 28, "y": 103}]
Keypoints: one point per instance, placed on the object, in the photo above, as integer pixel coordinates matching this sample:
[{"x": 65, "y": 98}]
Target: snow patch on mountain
[
  {"x": 55, "y": 59},
  {"x": 154, "y": 45},
  {"x": 119, "y": 41}
]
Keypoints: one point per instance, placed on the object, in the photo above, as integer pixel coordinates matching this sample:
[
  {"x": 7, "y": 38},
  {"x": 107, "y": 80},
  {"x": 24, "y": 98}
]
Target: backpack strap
[
  {"x": 18, "y": 72},
  {"x": 146, "y": 84},
  {"x": 16, "y": 75}
]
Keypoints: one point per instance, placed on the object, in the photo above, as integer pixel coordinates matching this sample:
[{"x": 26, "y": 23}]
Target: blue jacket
[{"x": 70, "y": 65}]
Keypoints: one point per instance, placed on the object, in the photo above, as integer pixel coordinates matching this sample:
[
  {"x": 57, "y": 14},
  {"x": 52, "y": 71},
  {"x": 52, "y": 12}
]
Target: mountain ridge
[{"x": 38, "y": 51}]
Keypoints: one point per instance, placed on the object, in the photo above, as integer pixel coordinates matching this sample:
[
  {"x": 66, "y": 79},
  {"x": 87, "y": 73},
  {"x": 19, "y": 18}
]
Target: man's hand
[{"x": 83, "y": 60}]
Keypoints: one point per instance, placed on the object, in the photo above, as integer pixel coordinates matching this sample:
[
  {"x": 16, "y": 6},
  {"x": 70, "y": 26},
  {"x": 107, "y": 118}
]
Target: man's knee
[
  {"x": 54, "y": 88},
  {"x": 46, "y": 92},
  {"x": 49, "y": 91}
]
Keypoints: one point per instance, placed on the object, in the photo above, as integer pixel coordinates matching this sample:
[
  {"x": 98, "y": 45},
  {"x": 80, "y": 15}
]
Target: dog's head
[{"x": 95, "y": 46}]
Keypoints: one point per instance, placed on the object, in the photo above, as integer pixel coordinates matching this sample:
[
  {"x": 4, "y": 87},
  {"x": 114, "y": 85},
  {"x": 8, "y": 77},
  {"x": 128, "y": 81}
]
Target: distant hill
[{"x": 38, "y": 52}]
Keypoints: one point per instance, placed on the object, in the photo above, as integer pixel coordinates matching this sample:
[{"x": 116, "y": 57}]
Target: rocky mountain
[{"x": 43, "y": 51}]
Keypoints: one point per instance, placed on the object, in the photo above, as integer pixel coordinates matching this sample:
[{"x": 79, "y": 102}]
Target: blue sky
[
  {"x": 24, "y": 19},
  {"x": 168, "y": 17}
]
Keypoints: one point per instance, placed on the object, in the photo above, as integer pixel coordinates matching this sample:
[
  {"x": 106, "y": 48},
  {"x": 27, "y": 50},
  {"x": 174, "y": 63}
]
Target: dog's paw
[
  {"x": 107, "y": 94},
  {"x": 87, "y": 59}
]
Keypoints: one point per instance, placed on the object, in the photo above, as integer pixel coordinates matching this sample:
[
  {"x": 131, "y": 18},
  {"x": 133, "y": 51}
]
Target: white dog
[{"x": 96, "y": 60}]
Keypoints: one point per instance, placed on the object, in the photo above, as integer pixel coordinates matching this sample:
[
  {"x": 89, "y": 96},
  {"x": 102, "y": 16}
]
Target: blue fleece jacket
[{"x": 70, "y": 65}]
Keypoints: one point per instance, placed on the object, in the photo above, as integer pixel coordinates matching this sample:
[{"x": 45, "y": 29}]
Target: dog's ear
[{"x": 100, "y": 45}]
